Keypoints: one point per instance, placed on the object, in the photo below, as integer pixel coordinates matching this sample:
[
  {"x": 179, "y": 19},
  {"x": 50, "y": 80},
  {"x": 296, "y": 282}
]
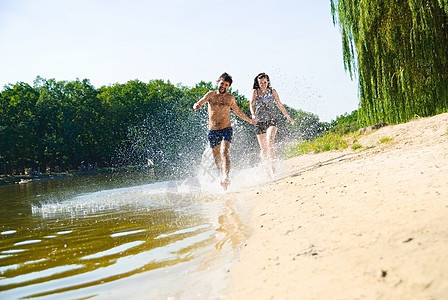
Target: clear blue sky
[{"x": 114, "y": 41}]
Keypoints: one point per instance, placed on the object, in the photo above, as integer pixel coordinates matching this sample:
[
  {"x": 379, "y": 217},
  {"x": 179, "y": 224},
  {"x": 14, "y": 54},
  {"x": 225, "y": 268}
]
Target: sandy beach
[{"x": 364, "y": 224}]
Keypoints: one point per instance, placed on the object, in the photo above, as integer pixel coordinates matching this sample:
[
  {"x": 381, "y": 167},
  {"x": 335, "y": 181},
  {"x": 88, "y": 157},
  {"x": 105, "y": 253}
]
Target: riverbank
[
  {"x": 364, "y": 224},
  {"x": 12, "y": 179}
]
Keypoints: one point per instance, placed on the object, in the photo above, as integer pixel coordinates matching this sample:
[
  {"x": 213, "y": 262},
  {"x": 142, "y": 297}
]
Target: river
[{"x": 113, "y": 236}]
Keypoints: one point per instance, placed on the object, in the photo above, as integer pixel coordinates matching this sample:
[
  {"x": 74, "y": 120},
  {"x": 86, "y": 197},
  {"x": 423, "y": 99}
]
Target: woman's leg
[
  {"x": 270, "y": 141},
  {"x": 262, "y": 141}
]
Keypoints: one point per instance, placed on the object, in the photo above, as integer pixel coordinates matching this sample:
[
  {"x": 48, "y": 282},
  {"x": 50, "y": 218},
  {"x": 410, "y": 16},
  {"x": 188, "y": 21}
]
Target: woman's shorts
[{"x": 262, "y": 127}]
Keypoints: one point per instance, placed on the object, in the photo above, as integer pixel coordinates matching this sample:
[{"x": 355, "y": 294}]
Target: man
[{"x": 220, "y": 130}]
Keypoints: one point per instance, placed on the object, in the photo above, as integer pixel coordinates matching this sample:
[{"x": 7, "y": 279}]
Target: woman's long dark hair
[{"x": 261, "y": 76}]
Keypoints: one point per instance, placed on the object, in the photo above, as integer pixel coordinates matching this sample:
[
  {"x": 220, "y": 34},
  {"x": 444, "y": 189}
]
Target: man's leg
[
  {"x": 217, "y": 157},
  {"x": 225, "y": 159}
]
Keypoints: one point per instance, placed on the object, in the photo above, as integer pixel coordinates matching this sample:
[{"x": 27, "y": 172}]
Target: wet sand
[{"x": 364, "y": 224}]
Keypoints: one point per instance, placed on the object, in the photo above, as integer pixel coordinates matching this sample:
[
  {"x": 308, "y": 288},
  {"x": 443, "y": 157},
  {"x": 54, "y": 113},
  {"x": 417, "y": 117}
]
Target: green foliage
[
  {"x": 356, "y": 146},
  {"x": 399, "y": 52},
  {"x": 18, "y": 125},
  {"x": 385, "y": 140},
  {"x": 326, "y": 142},
  {"x": 307, "y": 125},
  {"x": 345, "y": 123},
  {"x": 63, "y": 124}
]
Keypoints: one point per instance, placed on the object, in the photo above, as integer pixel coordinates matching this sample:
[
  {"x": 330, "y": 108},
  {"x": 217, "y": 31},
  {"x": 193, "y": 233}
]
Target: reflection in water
[{"x": 60, "y": 244}]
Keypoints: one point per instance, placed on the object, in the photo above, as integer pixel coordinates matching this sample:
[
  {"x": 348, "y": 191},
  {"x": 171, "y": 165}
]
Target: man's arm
[
  {"x": 201, "y": 101},
  {"x": 239, "y": 113}
]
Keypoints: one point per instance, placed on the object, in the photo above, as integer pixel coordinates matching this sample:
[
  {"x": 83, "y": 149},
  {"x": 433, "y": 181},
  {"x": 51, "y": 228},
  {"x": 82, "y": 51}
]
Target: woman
[{"x": 262, "y": 107}]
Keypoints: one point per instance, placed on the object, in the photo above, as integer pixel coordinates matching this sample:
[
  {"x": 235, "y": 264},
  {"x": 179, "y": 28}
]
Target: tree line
[
  {"x": 71, "y": 125},
  {"x": 399, "y": 52}
]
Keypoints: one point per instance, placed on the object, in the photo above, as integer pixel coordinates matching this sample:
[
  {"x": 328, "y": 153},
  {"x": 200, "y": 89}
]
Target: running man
[{"x": 220, "y": 130}]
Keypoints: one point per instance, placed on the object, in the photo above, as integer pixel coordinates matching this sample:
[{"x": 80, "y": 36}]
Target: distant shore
[{"x": 15, "y": 179}]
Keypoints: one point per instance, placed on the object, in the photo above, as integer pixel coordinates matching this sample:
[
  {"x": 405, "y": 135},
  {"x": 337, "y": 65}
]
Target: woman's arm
[
  {"x": 252, "y": 103},
  {"x": 282, "y": 107}
]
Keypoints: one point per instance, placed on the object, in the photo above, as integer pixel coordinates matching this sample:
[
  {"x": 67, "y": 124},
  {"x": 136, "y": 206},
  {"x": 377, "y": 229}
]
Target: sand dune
[{"x": 364, "y": 224}]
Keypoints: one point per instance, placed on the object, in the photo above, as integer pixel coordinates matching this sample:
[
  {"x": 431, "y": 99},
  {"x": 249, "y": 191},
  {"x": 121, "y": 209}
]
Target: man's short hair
[{"x": 225, "y": 77}]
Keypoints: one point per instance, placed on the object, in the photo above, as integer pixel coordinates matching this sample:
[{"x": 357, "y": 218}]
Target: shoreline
[
  {"x": 369, "y": 223},
  {"x": 16, "y": 179}
]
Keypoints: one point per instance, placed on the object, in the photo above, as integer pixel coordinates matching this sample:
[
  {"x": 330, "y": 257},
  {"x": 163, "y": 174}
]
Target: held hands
[
  {"x": 291, "y": 121},
  {"x": 254, "y": 120}
]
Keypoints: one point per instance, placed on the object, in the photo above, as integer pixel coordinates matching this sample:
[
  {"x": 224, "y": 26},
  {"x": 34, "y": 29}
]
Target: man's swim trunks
[
  {"x": 261, "y": 127},
  {"x": 216, "y": 136}
]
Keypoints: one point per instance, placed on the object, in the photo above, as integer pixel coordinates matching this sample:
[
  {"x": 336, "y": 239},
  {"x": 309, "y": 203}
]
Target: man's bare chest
[{"x": 219, "y": 102}]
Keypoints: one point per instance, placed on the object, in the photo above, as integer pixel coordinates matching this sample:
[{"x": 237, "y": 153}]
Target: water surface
[{"x": 106, "y": 236}]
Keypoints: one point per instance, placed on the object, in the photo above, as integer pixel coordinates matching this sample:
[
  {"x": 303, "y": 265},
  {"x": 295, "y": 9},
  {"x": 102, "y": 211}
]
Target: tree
[
  {"x": 83, "y": 115},
  {"x": 18, "y": 127},
  {"x": 398, "y": 49}
]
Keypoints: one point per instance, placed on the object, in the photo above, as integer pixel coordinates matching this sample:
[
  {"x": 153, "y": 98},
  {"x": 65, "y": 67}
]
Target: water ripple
[
  {"x": 8, "y": 232},
  {"x": 114, "y": 250},
  {"x": 28, "y": 242},
  {"x": 126, "y": 233},
  {"x": 182, "y": 231},
  {"x": 40, "y": 274}
]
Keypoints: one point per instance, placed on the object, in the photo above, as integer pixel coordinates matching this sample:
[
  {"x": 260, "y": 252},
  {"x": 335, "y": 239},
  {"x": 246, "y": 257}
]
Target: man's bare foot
[
  {"x": 225, "y": 183},
  {"x": 272, "y": 170}
]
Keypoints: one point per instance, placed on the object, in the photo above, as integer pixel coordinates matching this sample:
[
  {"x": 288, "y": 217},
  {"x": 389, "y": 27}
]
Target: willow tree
[{"x": 398, "y": 50}]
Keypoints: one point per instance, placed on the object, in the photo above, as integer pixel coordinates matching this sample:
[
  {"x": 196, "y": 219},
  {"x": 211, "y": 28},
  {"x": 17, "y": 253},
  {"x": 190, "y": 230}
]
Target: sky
[{"x": 184, "y": 42}]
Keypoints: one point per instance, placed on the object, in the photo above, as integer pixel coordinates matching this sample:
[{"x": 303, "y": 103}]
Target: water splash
[{"x": 151, "y": 195}]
